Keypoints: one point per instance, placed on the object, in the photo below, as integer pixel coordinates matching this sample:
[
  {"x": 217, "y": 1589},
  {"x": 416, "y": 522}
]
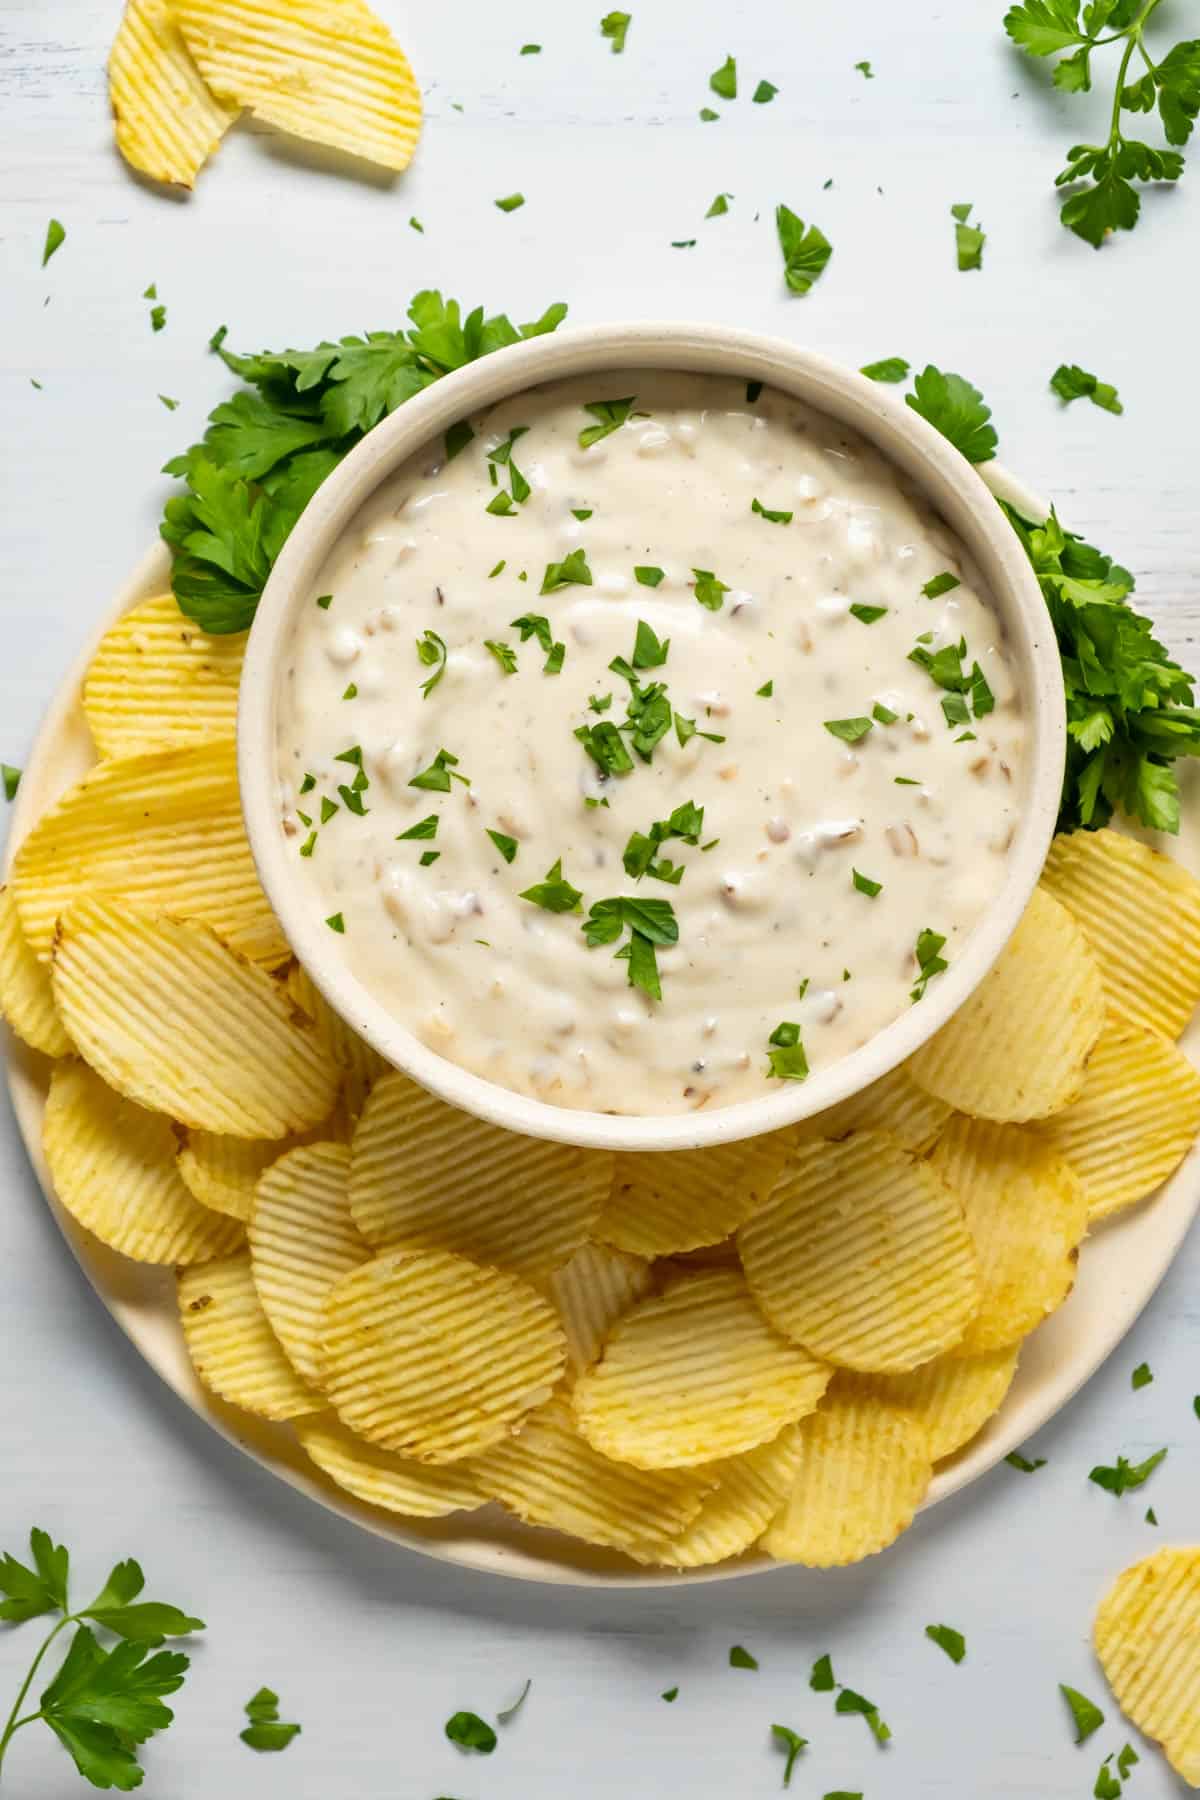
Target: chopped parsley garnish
[
  {"x": 785, "y": 1054},
  {"x": 867, "y": 614},
  {"x": 641, "y": 851},
  {"x": 309, "y": 844},
  {"x": 649, "y": 652},
  {"x": 1107, "y": 1786},
  {"x": 504, "y": 654},
  {"x": 606, "y": 747},
  {"x": 766, "y": 90},
  {"x": 429, "y": 856},
  {"x": 650, "y": 922},
  {"x": 554, "y": 894},
  {"x": 510, "y": 202},
  {"x": 792, "y": 1744},
  {"x": 723, "y": 81},
  {"x": 850, "y": 1702},
  {"x": 1126, "y": 1761},
  {"x": 531, "y": 50},
  {"x": 1015, "y": 1460},
  {"x": 883, "y": 715},
  {"x": 352, "y": 800},
  {"x": 708, "y": 590},
  {"x": 905, "y": 781},
  {"x": 554, "y": 661},
  {"x": 572, "y": 570},
  {"x": 822, "y": 1681},
  {"x": 765, "y": 691},
  {"x": 1124, "y": 1476},
  {"x": 740, "y": 1658},
  {"x": 720, "y": 205},
  {"x": 685, "y": 730},
  {"x": 308, "y": 784},
  {"x": 158, "y": 317},
  {"x": 497, "y": 569},
  {"x": 1070, "y": 382},
  {"x": 507, "y": 846},
  {"x": 324, "y": 601},
  {"x": 647, "y": 575},
  {"x": 431, "y": 652},
  {"x": 940, "y": 584},
  {"x": 582, "y": 512},
  {"x": 440, "y": 773},
  {"x": 11, "y": 779},
  {"x": 930, "y": 962},
  {"x": 457, "y": 439},
  {"x": 947, "y": 1639},
  {"x": 336, "y": 923},
  {"x": 534, "y": 625},
  {"x": 806, "y": 250},
  {"x": 610, "y": 415},
  {"x": 849, "y": 730},
  {"x": 351, "y": 692},
  {"x": 864, "y": 885},
  {"x": 959, "y": 411},
  {"x": 865, "y": 70},
  {"x": 265, "y": 1730},
  {"x": 501, "y": 504},
  {"x": 683, "y": 243},
  {"x": 328, "y": 808},
  {"x": 615, "y": 27},
  {"x": 1151, "y": 1516},
  {"x": 599, "y": 703},
  {"x": 670, "y": 1694},
  {"x": 1142, "y": 1376},
  {"x": 944, "y": 667},
  {"x": 968, "y": 239},
  {"x": 708, "y": 115},
  {"x": 1086, "y": 1714},
  {"x": 765, "y": 512},
  {"x": 424, "y": 828},
  {"x": 888, "y": 368},
  {"x": 470, "y": 1732},
  {"x": 55, "y": 238},
  {"x": 171, "y": 405}
]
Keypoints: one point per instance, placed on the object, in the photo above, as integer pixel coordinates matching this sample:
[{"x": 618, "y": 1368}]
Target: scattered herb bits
[
  {"x": 615, "y": 27},
  {"x": 470, "y": 1732},
  {"x": 968, "y": 239},
  {"x": 805, "y": 249},
  {"x": 1070, "y": 382},
  {"x": 1085, "y": 1714},
  {"x": 266, "y": 1731},
  {"x": 740, "y": 1658},
  {"x": 56, "y": 237},
  {"x": 948, "y": 1639}
]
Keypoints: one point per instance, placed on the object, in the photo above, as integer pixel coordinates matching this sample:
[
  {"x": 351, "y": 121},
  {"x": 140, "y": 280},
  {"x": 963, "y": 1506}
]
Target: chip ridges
[
  {"x": 953, "y": 1397},
  {"x": 395, "y": 1483},
  {"x": 167, "y": 122},
  {"x": 678, "y": 1200},
  {"x": 113, "y": 1168},
  {"x": 1147, "y": 1637},
  {"x": 157, "y": 681},
  {"x": 166, "y": 1012},
  {"x": 26, "y": 997},
  {"x": 1018, "y": 1047},
  {"x": 862, "y": 1255},
  {"x": 750, "y": 1490},
  {"x": 433, "y": 1357},
  {"x": 222, "y": 1172},
  {"x": 232, "y": 1347},
  {"x": 431, "y": 1177},
  {"x": 695, "y": 1375},
  {"x": 592, "y": 1291},
  {"x": 894, "y": 1104},
  {"x": 302, "y": 1240}
]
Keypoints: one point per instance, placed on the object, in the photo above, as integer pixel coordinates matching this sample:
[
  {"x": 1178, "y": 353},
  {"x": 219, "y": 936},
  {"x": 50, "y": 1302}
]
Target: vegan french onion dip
[{"x": 648, "y": 743}]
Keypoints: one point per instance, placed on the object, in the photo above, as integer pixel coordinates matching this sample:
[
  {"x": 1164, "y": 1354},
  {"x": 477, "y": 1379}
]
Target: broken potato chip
[
  {"x": 676, "y": 1200},
  {"x": 592, "y": 1291},
  {"x": 1147, "y": 1637},
  {"x": 302, "y": 1240},
  {"x": 157, "y": 681},
  {"x": 26, "y": 997},
  {"x": 395, "y": 1483},
  {"x": 232, "y": 1347},
  {"x": 166, "y": 119}
]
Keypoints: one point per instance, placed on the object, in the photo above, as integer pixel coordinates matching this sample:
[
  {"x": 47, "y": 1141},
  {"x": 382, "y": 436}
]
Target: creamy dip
[{"x": 610, "y": 887}]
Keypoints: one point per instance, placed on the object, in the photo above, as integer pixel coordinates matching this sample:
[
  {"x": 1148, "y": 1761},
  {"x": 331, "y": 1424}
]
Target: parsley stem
[
  {"x": 1133, "y": 42},
  {"x": 13, "y": 1722}
]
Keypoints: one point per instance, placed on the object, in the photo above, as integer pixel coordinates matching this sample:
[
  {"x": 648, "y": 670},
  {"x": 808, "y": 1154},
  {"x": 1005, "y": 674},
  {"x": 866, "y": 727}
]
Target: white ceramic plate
[{"x": 1119, "y": 1270}]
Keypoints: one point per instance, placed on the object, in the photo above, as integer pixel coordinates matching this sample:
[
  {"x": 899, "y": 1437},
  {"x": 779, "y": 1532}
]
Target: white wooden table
[{"x": 370, "y": 1648}]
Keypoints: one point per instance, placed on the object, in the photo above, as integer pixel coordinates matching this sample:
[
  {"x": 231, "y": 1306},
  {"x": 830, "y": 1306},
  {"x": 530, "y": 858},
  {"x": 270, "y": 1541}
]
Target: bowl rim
[{"x": 948, "y": 481}]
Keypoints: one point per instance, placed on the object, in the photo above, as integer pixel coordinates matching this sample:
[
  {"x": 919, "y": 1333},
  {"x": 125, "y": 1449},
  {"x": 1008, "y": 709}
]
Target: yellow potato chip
[
  {"x": 592, "y": 1292},
  {"x": 953, "y": 1397},
  {"x": 1027, "y": 1214},
  {"x": 1134, "y": 1122},
  {"x": 694, "y": 1375},
  {"x": 894, "y": 1104},
  {"x": 672, "y": 1200},
  {"x": 864, "y": 1469},
  {"x": 395, "y": 1483},
  {"x": 750, "y": 1491},
  {"x": 162, "y": 831},
  {"x": 173, "y": 1019},
  {"x": 158, "y": 681},
  {"x": 362, "y": 1065},
  {"x": 302, "y": 1240},
  {"x": 434, "y": 1178},
  {"x": 549, "y": 1475},
  {"x": 1147, "y": 1637},
  {"x": 26, "y": 997},
  {"x": 862, "y": 1255},
  {"x": 1018, "y": 1048},
  {"x": 431, "y": 1356},
  {"x": 113, "y": 1168},
  {"x": 222, "y": 1172},
  {"x": 1140, "y": 912},
  {"x": 326, "y": 70},
  {"x": 233, "y": 1349},
  {"x": 167, "y": 122}
]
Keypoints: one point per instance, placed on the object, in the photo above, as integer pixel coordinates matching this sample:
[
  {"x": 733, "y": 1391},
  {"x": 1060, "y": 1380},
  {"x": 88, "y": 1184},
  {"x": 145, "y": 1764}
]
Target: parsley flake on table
[
  {"x": 1107, "y": 1785},
  {"x": 864, "y": 885},
  {"x": 55, "y": 238},
  {"x": 765, "y": 91},
  {"x": 1015, "y": 1460},
  {"x": 416, "y": 224},
  {"x": 848, "y": 730},
  {"x": 723, "y": 81},
  {"x": 615, "y": 27},
  {"x": 510, "y": 202},
  {"x": 555, "y": 894},
  {"x": 865, "y": 70},
  {"x": 1151, "y": 1516},
  {"x": 266, "y": 1731},
  {"x": 708, "y": 115},
  {"x": 531, "y": 50},
  {"x": 850, "y": 1702},
  {"x": 171, "y": 405},
  {"x": 740, "y": 1658},
  {"x": 889, "y": 368},
  {"x": 765, "y": 512},
  {"x": 1123, "y": 1477},
  {"x": 470, "y": 1732},
  {"x": 440, "y": 773},
  {"x": 930, "y": 961},
  {"x": 947, "y": 1639},
  {"x": 507, "y": 1714},
  {"x": 610, "y": 415},
  {"x": 785, "y": 1054},
  {"x": 10, "y": 778},
  {"x": 792, "y": 1744},
  {"x": 822, "y": 1680},
  {"x": 1070, "y": 382},
  {"x": 683, "y": 243},
  {"x": 1142, "y": 1376},
  {"x": 158, "y": 317},
  {"x": 952, "y": 406},
  {"x": 806, "y": 250},
  {"x": 968, "y": 239},
  {"x": 1085, "y": 1713},
  {"x": 571, "y": 571},
  {"x": 720, "y": 205},
  {"x": 670, "y": 1694}
]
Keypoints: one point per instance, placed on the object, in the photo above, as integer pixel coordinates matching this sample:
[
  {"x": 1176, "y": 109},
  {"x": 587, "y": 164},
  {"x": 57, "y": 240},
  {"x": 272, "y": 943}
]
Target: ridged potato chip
[
  {"x": 395, "y": 1483},
  {"x": 26, "y": 997},
  {"x": 591, "y": 1292},
  {"x": 864, "y": 1469},
  {"x": 1140, "y": 912},
  {"x": 233, "y": 1349},
  {"x": 894, "y": 1104},
  {"x": 113, "y": 1168},
  {"x": 157, "y": 681},
  {"x": 329, "y": 71},
  {"x": 672, "y": 1200},
  {"x": 222, "y": 1172},
  {"x": 162, "y": 831},
  {"x": 549, "y": 1475},
  {"x": 750, "y": 1491},
  {"x": 362, "y": 1066},
  {"x": 174, "y": 1019},
  {"x": 429, "y": 1176},
  {"x": 166, "y": 120},
  {"x": 863, "y": 1256},
  {"x": 302, "y": 1240},
  {"x": 694, "y": 1375},
  {"x": 433, "y": 1357},
  {"x": 953, "y": 1397},
  {"x": 1134, "y": 1122},
  {"x": 1027, "y": 1214},
  {"x": 1147, "y": 1637},
  {"x": 1018, "y": 1048}
]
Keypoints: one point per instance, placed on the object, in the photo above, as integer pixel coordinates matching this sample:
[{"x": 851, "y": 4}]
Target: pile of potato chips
[
  {"x": 330, "y": 71},
  {"x": 675, "y": 1356}
]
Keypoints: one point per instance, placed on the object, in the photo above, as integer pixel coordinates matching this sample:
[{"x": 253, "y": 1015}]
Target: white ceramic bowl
[{"x": 921, "y": 453}]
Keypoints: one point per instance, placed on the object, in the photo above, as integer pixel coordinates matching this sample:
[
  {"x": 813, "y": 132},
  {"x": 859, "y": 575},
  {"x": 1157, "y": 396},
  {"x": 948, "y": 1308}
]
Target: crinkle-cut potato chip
[
  {"x": 164, "y": 832},
  {"x": 1027, "y": 1214},
  {"x": 222, "y": 1172},
  {"x": 26, "y": 997},
  {"x": 695, "y": 1375},
  {"x": 395, "y": 1483},
  {"x": 954, "y": 1396},
  {"x": 591, "y": 1292},
  {"x": 113, "y": 1168},
  {"x": 174, "y": 1019},
  {"x": 548, "y": 1474},
  {"x": 429, "y": 1176},
  {"x": 1135, "y": 1121},
  {"x": 665, "y": 1201},
  {"x": 302, "y": 1240},
  {"x": 1140, "y": 912},
  {"x": 1147, "y": 1637},
  {"x": 433, "y": 1357},
  {"x": 233, "y": 1349},
  {"x": 167, "y": 122},
  {"x": 158, "y": 681},
  {"x": 863, "y": 1256},
  {"x": 894, "y": 1104},
  {"x": 1017, "y": 1049},
  {"x": 750, "y": 1491},
  {"x": 864, "y": 1469},
  {"x": 329, "y": 71},
  {"x": 362, "y": 1065}
]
